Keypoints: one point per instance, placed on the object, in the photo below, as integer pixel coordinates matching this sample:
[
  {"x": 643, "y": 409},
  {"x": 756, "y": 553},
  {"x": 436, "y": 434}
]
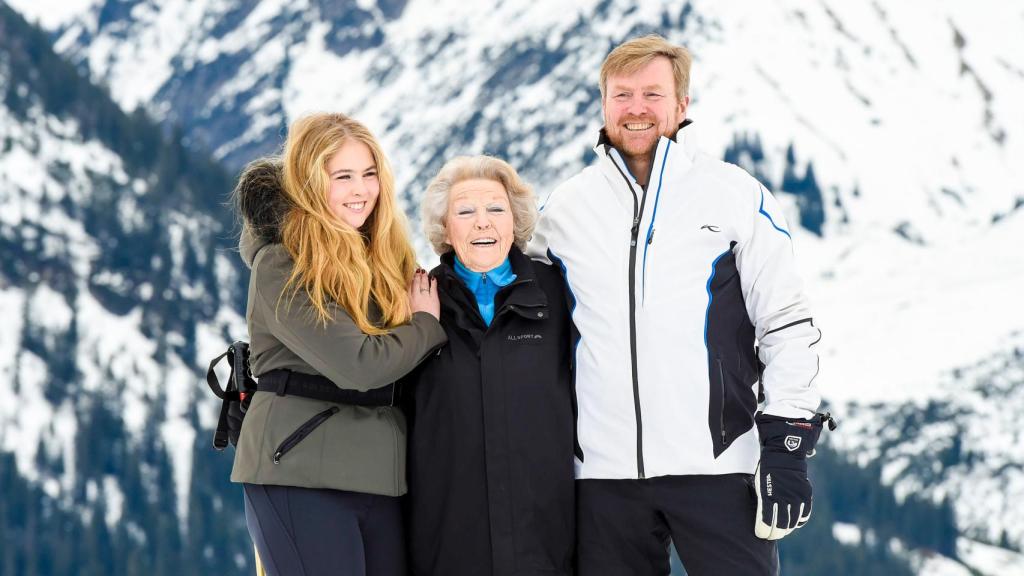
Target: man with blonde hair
[{"x": 677, "y": 263}]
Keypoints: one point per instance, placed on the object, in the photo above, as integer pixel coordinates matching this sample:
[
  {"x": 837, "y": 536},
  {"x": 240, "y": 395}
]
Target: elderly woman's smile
[{"x": 479, "y": 223}]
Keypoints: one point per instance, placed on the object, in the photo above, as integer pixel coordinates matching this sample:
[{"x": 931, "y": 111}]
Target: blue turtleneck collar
[{"x": 484, "y": 285}]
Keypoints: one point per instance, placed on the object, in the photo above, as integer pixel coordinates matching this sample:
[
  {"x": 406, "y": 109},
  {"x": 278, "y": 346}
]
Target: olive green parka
[{"x": 361, "y": 449}]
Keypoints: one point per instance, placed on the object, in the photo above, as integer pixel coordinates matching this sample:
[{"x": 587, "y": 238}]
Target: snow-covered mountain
[
  {"x": 964, "y": 444},
  {"x": 892, "y": 131},
  {"x": 907, "y": 112},
  {"x": 115, "y": 277}
]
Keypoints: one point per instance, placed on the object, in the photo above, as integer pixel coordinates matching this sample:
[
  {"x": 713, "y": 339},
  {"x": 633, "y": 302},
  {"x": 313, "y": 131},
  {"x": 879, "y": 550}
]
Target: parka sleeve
[
  {"x": 340, "y": 351},
  {"x": 779, "y": 310}
]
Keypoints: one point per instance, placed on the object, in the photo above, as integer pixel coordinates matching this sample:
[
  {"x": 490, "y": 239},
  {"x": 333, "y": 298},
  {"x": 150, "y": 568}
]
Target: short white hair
[{"x": 434, "y": 206}]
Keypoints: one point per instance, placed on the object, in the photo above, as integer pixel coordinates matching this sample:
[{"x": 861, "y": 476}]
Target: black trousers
[
  {"x": 314, "y": 532},
  {"x": 623, "y": 527}
]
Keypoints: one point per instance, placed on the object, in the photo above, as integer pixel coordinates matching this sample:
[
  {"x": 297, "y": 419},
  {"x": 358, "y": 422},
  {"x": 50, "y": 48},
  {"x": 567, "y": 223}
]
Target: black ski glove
[{"x": 784, "y": 496}]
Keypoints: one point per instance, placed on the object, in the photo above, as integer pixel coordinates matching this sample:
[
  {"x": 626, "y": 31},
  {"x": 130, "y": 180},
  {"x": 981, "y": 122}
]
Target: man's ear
[{"x": 683, "y": 105}]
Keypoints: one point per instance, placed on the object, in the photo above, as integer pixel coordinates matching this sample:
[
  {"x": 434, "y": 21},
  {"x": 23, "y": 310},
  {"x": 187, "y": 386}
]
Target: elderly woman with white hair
[{"x": 491, "y": 451}]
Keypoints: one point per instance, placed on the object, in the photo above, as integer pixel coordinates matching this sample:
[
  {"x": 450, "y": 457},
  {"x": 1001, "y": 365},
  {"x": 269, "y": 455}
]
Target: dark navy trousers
[
  {"x": 623, "y": 527},
  {"x": 316, "y": 532}
]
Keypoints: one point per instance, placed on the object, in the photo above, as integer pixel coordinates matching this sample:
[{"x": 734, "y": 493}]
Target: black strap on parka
[
  {"x": 286, "y": 382},
  {"x": 241, "y": 385}
]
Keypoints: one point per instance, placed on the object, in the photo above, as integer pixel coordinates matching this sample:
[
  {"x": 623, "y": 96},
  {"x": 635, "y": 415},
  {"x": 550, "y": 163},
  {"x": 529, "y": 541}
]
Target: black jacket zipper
[
  {"x": 634, "y": 234},
  {"x": 721, "y": 385},
  {"x": 303, "y": 431}
]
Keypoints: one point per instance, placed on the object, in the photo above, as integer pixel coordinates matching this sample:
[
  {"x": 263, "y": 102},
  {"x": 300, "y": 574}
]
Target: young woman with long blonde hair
[{"x": 337, "y": 312}]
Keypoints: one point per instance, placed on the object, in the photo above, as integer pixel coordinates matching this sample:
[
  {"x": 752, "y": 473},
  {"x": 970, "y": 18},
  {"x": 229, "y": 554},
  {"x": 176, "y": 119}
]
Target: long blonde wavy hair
[{"x": 335, "y": 262}]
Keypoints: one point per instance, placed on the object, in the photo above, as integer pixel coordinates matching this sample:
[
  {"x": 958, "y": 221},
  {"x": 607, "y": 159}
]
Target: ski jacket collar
[
  {"x": 522, "y": 296},
  {"x": 678, "y": 149},
  {"x": 484, "y": 285},
  {"x": 500, "y": 276}
]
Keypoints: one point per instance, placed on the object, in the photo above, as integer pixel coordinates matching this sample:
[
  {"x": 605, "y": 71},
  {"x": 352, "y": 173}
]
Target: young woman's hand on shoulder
[{"x": 423, "y": 294}]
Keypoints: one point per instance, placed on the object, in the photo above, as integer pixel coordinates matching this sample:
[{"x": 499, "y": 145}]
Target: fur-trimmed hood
[{"x": 263, "y": 205}]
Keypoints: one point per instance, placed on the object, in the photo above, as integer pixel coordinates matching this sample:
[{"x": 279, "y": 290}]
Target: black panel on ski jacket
[{"x": 491, "y": 443}]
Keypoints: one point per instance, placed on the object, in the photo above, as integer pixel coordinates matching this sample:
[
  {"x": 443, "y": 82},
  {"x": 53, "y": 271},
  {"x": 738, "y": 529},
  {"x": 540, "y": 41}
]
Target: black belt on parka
[{"x": 288, "y": 383}]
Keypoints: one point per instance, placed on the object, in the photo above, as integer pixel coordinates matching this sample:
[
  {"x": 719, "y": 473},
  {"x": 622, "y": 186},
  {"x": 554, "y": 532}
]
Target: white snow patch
[
  {"x": 928, "y": 562},
  {"x": 989, "y": 560},
  {"x": 12, "y": 302},
  {"x": 129, "y": 214},
  {"x": 51, "y": 14},
  {"x": 846, "y": 533},
  {"x": 49, "y": 310},
  {"x": 895, "y": 316},
  {"x": 135, "y": 532},
  {"x": 179, "y": 439},
  {"x": 65, "y": 433},
  {"x": 366, "y": 5},
  {"x": 51, "y": 487},
  {"x": 113, "y": 350},
  {"x": 29, "y": 417},
  {"x": 113, "y": 499},
  {"x": 932, "y": 564}
]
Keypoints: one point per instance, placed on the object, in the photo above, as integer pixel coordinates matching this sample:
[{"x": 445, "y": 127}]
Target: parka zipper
[
  {"x": 305, "y": 430},
  {"x": 634, "y": 234},
  {"x": 721, "y": 387}
]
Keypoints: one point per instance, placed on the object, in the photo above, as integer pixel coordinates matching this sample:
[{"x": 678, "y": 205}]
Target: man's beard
[{"x": 634, "y": 147}]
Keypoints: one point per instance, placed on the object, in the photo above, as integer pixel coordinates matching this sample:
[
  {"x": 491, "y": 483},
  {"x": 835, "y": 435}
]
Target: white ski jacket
[{"x": 670, "y": 288}]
